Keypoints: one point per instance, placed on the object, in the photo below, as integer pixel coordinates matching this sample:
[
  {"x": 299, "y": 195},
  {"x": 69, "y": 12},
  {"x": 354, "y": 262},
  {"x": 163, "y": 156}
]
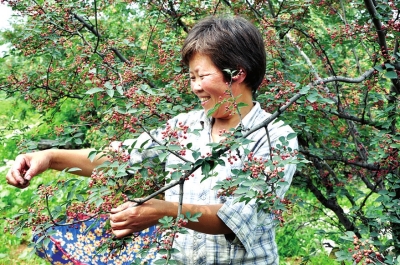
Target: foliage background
[{"x": 99, "y": 71}]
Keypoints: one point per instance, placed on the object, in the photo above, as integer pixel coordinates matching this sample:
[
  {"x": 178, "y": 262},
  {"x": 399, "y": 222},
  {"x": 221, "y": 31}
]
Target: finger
[
  {"x": 123, "y": 207},
  {"x": 118, "y": 225},
  {"x": 19, "y": 169},
  {"x": 120, "y": 208},
  {"x": 31, "y": 172},
  {"x": 119, "y": 216},
  {"x": 123, "y": 233},
  {"x": 12, "y": 181},
  {"x": 14, "y": 178},
  {"x": 28, "y": 167},
  {"x": 25, "y": 185},
  {"x": 18, "y": 176}
]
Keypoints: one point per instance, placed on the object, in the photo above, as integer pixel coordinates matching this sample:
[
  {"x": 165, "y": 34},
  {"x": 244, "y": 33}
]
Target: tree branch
[{"x": 87, "y": 25}]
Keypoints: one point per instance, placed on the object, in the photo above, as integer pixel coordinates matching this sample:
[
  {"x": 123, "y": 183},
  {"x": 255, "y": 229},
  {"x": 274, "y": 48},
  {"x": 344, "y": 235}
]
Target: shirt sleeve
[{"x": 242, "y": 218}]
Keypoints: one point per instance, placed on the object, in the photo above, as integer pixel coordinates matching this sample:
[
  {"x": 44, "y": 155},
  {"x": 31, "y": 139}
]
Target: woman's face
[{"x": 208, "y": 83}]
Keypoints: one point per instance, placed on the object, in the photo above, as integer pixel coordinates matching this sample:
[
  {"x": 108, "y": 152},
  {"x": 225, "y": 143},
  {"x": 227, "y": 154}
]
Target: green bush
[{"x": 301, "y": 239}]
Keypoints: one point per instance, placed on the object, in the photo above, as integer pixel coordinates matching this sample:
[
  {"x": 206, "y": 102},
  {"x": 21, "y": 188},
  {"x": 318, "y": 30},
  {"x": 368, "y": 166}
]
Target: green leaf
[
  {"x": 166, "y": 220},
  {"x": 343, "y": 255},
  {"x": 162, "y": 156},
  {"x": 108, "y": 85},
  {"x": 77, "y": 141},
  {"x": 196, "y": 155},
  {"x": 241, "y": 105},
  {"x": 391, "y": 74},
  {"x": 147, "y": 89},
  {"x": 304, "y": 90},
  {"x": 194, "y": 217},
  {"x": 176, "y": 175},
  {"x": 120, "y": 90},
  {"x": 74, "y": 169},
  {"x": 291, "y": 136},
  {"x": 95, "y": 101},
  {"x": 213, "y": 110},
  {"x": 389, "y": 66},
  {"x": 174, "y": 147},
  {"x": 378, "y": 68},
  {"x": 186, "y": 166},
  {"x": 205, "y": 169},
  {"x": 98, "y": 202},
  {"x": 110, "y": 92},
  {"x": 313, "y": 97},
  {"x": 94, "y": 90},
  {"x": 80, "y": 198}
]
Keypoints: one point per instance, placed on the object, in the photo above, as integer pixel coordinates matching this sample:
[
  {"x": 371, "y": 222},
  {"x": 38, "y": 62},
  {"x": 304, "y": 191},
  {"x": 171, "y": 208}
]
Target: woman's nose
[{"x": 196, "y": 86}]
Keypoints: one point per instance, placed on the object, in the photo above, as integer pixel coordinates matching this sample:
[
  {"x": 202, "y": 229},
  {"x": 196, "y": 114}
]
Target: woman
[{"x": 226, "y": 232}]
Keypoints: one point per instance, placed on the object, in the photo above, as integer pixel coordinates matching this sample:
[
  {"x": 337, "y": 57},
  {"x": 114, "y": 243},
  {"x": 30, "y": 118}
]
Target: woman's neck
[{"x": 223, "y": 125}]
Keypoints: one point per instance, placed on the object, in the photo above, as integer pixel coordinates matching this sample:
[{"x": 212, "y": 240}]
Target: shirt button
[
  {"x": 198, "y": 236},
  {"x": 203, "y": 197}
]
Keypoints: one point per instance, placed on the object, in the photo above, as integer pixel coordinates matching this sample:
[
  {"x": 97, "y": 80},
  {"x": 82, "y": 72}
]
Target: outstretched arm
[{"x": 27, "y": 166}]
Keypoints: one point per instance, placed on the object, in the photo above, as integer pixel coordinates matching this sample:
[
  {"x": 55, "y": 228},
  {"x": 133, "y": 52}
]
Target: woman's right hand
[{"x": 26, "y": 166}]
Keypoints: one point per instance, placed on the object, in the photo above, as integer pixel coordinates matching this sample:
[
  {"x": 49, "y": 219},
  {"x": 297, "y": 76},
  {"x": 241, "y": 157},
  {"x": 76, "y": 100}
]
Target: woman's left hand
[{"x": 128, "y": 218}]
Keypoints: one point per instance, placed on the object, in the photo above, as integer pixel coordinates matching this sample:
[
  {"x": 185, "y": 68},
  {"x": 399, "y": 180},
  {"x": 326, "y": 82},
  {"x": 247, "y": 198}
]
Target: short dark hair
[{"x": 232, "y": 43}]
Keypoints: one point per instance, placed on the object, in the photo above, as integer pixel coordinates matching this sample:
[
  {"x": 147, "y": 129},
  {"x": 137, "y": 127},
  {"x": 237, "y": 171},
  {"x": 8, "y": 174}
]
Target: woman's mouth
[{"x": 204, "y": 100}]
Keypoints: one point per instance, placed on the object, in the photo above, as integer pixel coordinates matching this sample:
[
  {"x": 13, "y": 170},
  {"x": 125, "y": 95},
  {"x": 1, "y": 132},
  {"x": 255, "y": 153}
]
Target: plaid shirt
[{"x": 254, "y": 241}]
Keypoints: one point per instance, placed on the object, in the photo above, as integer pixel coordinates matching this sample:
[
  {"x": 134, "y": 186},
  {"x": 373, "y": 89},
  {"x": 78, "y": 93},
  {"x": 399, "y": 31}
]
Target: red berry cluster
[{"x": 365, "y": 252}]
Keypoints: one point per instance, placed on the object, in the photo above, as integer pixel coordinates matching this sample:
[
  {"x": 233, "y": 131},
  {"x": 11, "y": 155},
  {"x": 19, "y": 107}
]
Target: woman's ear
[{"x": 240, "y": 76}]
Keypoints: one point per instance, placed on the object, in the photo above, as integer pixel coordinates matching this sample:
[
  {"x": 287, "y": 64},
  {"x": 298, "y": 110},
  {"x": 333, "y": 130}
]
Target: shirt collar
[{"x": 248, "y": 121}]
